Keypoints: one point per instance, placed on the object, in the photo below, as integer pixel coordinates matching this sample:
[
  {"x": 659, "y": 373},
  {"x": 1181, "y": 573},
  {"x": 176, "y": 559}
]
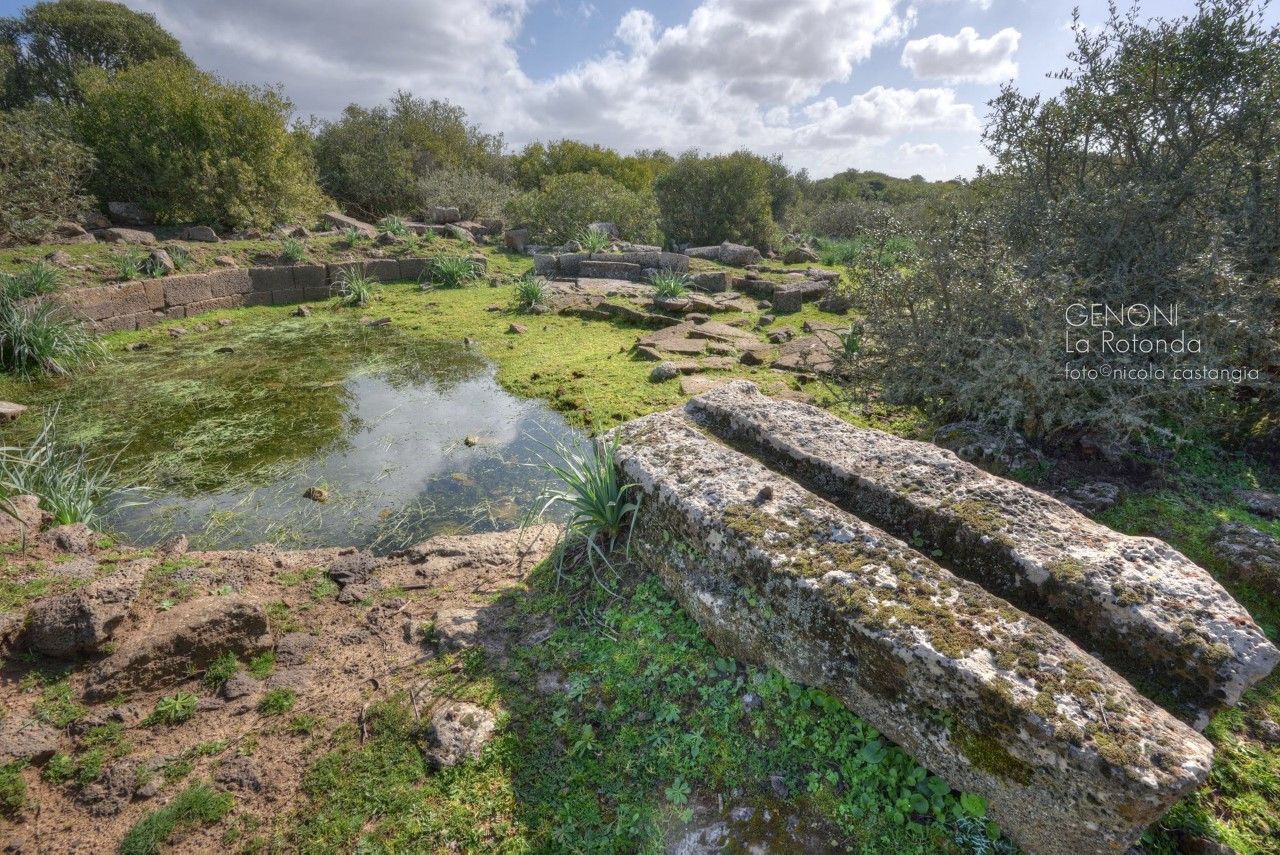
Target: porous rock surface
[
  {"x": 1070, "y": 756},
  {"x": 80, "y": 621},
  {"x": 1150, "y": 611}
]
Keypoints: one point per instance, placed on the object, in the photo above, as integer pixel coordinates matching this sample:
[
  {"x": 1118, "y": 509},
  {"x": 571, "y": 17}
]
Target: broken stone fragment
[
  {"x": 178, "y": 642},
  {"x": 25, "y": 739},
  {"x": 81, "y": 621},
  {"x": 458, "y": 732},
  {"x": 1070, "y": 757}
]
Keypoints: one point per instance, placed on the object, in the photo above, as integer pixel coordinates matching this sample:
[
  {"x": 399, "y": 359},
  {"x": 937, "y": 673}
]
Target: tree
[
  {"x": 371, "y": 160},
  {"x": 51, "y": 43},
  {"x": 566, "y": 204},
  {"x": 636, "y": 172},
  {"x": 706, "y": 200},
  {"x": 193, "y": 149}
]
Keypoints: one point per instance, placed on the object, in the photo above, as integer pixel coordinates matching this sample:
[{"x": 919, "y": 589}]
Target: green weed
[
  {"x": 293, "y": 250},
  {"x": 450, "y": 271},
  {"x": 42, "y": 338},
  {"x": 33, "y": 280},
  {"x": 277, "y": 701},
  {"x": 197, "y": 805},
  {"x": 530, "y": 292},
  {"x": 669, "y": 285},
  {"x": 174, "y": 709}
]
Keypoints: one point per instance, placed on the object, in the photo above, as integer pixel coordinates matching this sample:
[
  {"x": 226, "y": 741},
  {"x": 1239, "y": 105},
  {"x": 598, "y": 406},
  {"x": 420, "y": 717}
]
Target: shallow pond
[{"x": 228, "y": 429}]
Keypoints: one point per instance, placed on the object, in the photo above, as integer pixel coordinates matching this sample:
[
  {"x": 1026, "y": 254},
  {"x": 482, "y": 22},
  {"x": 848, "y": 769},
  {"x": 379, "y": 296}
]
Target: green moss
[{"x": 986, "y": 753}]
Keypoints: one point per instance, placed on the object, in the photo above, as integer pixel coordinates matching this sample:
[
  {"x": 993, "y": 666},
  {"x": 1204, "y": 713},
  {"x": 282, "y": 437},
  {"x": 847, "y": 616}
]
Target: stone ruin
[{"x": 803, "y": 543}]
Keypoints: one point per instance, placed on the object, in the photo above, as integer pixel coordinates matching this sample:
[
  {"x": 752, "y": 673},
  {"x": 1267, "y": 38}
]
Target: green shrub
[
  {"x": 196, "y": 806},
  {"x": 593, "y": 240},
  {"x": 41, "y": 338},
  {"x": 530, "y": 292},
  {"x": 706, "y": 200},
  {"x": 381, "y": 160},
  {"x": 42, "y": 175},
  {"x": 32, "y": 281},
  {"x": 193, "y": 149},
  {"x": 450, "y": 271},
  {"x": 567, "y": 204},
  {"x": 356, "y": 289},
  {"x": 669, "y": 285},
  {"x": 293, "y": 250},
  {"x": 474, "y": 193},
  {"x": 538, "y": 162},
  {"x": 70, "y": 484}
]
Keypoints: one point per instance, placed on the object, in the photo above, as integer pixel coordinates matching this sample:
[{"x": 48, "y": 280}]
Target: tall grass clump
[
  {"x": 128, "y": 264},
  {"x": 69, "y": 483},
  {"x": 594, "y": 240},
  {"x": 293, "y": 250},
  {"x": 669, "y": 285},
  {"x": 196, "y": 806},
  {"x": 600, "y": 506},
  {"x": 357, "y": 289},
  {"x": 353, "y": 236},
  {"x": 530, "y": 292},
  {"x": 41, "y": 338},
  {"x": 32, "y": 281},
  {"x": 450, "y": 271},
  {"x": 394, "y": 225},
  {"x": 180, "y": 257}
]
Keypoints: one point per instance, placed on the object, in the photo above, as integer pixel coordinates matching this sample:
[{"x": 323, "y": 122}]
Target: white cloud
[
  {"x": 920, "y": 151},
  {"x": 963, "y": 58},
  {"x": 733, "y": 74}
]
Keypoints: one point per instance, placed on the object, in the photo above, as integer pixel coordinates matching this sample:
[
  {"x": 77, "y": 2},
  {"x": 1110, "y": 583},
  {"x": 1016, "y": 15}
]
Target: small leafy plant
[
  {"x": 293, "y": 250},
  {"x": 357, "y": 289},
  {"x": 530, "y": 292},
  {"x": 599, "y": 504},
  {"x": 450, "y": 271},
  {"x": 277, "y": 702},
  {"x": 174, "y": 709},
  {"x": 151, "y": 265},
  {"x": 669, "y": 285},
  {"x": 594, "y": 240},
  {"x": 31, "y": 281},
  {"x": 353, "y": 236},
  {"x": 180, "y": 257},
  {"x": 221, "y": 669},
  {"x": 129, "y": 264},
  {"x": 394, "y": 225}
]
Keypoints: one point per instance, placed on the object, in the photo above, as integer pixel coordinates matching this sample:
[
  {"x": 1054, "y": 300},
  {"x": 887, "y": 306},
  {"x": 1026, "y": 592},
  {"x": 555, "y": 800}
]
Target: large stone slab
[
  {"x": 342, "y": 221},
  {"x": 1148, "y": 609},
  {"x": 1070, "y": 757}
]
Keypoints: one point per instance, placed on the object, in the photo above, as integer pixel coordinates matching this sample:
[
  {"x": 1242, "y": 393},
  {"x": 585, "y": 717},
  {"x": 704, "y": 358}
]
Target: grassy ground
[{"x": 603, "y": 768}]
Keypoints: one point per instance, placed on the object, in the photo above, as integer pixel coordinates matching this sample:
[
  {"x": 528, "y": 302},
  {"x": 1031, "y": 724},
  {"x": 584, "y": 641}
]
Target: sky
[{"x": 899, "y": 87}]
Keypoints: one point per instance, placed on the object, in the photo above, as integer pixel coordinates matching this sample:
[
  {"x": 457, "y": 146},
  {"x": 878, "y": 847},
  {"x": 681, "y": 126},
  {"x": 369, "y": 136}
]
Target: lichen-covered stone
[
  {"x": 1070, "y": 757},
  {"x": 1151, "y": 612}
]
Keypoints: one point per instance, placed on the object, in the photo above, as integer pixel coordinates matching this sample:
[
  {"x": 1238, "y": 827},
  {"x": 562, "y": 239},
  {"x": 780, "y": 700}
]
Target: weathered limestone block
[
  {"x": 181, "y": 290},
  {"x": 342, "y": 221},
  {"x": 546, "y": 264},
  {"x": 108, "y": 301},
  {"x": 1070, "y": 757},
  {"x": 224, "y": 283},
  {"x": 271, "y": 278},
  {"x": 608, "y": 270},
  {"x": 383, "y": 269},
  {"x": 413, "y": 269},
  {"x": 217, "y": 304},
  {"x": 309, "y": 276},
  {"x": 676, "y": 262},
  {"x": 1152, "y": 613}
]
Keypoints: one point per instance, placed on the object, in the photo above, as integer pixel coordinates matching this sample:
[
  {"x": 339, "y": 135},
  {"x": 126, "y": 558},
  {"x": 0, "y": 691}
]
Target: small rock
[
  {"x": 293, "y": 647},
  {"x": 225, "y": 261},
  {"x": 664, "y": 371},
  {"x": 301, "y": 312},
  {"x": 1268, "y": 731},
  {"x": 238, "y": 773},
  {"x": 800, "y": 255},
  {"x": 378, "y": 322},
  {"x": 778, "y": 784},
  {"x": 471, "y": 440},
  {"x": 160, "y": 260},
  {"x": 751, "y": 701},
  {"x": 24, "y": 521},
  {"x": 77, "y": 538},
  {"x": 23, "y": 738},
  {"x": 225, "y": 350},
  {"x": 239, "y": 685},
  {"x": 1092, "y": 498},
  {"x": 751, "y": 357},
  {"x": 765, "y": 320},
  {"x": 316, "y": 494},
  {"x": 458, "y": 732},
  {"x": 1256, "y": 501},
  {"x": 176, "y": 332},
  {"x": 493, "y": 308},
  {"x": 137, "y": 345},
  {"x": 354, "y": 568},
  {"x": 10, "y": 411},
  {"x": 517, "y": 329},
  {"x": 59, "y": 258},
  {"x": 201, "y": 328},
  {"x": 203, "y": 234},
  {"x": 224, "y": 322}
]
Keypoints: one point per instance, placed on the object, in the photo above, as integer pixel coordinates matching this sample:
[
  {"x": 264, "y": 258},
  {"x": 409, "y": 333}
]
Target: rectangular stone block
[
  {"x": 1070, "y": 758},
  {"x": 154, "y": 289},
  {"x": 271, "y": 278},
  {"x": 589, "y": 269},
  {"x": 224, "y": 283},
  {"x": 335, "y": 272},
  {"x": 317, "y": 293},
  {"x": 1144, "y": 606},
  {"x": 149, "y": 319},
  {"x": 107, "y": 301},
  {"x": 569, "y": 261},
  {"x": 118, "y": 323},
  {"x": 641, "y": 259},
  {"x": 191, "y": 288},
  {"x": 383, "y": 269},
  {"x": 257, "y": 298},
  {"x": 413, "y": 269},
  {"x": 674, "y": 261},
  {"x": 545, "y": 264},
  {"x": 309, "y": 276},
  {"x": 287, "y": 296},
  {"x": 342, "y": 221},
  {"x": 216, "y": 304}
]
